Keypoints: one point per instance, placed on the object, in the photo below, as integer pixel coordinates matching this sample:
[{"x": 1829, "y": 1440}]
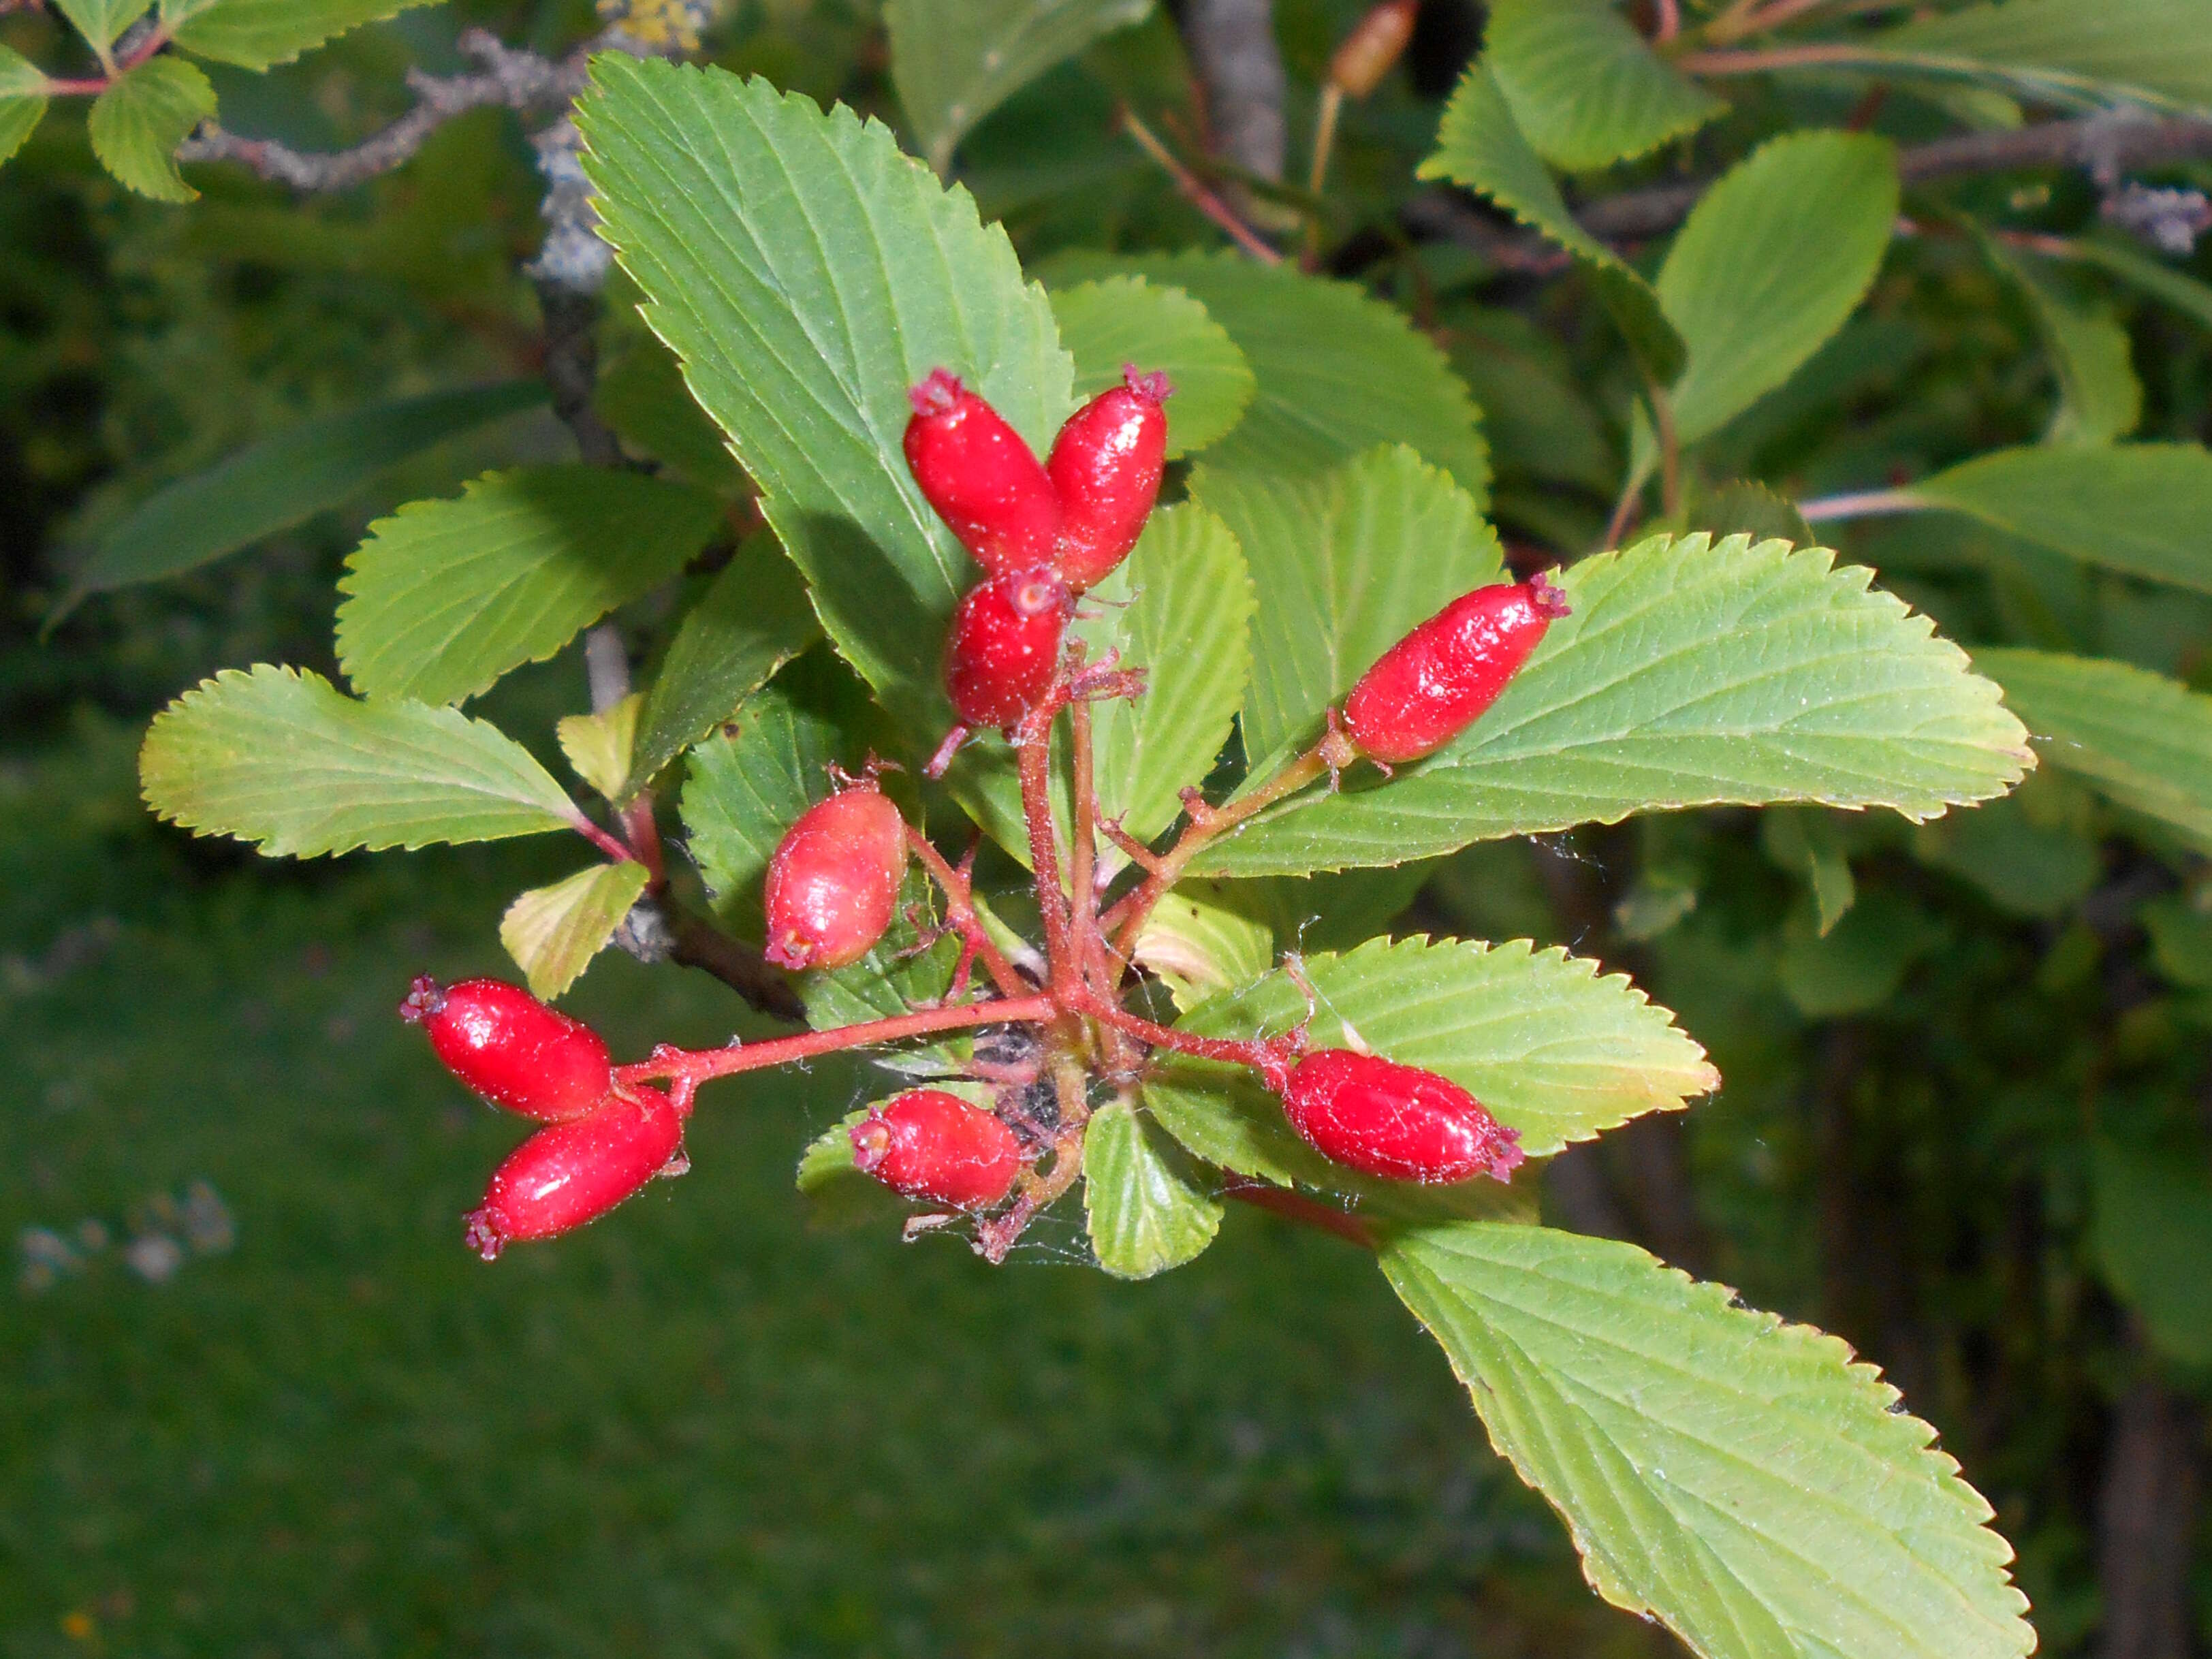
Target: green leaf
[
  {"x": 100, "y": 20},
  {"x": 285, "y": 759},
  {"x": 1584, "y": 86},
  {"x": 2137, "y": 508},
  {"x": 1687, "y": 675},
  {"x": 2178, "y": 289},
  {"x": 1344, "y": 565},
  {"x": 2140, "y": 51},
  {"x": 1859, "y": 964},
  {"x": 2141, "y": 739},
  {"x": 1126, "y": 319},
  {"x": 1147, "y": 1210},
  {"x": 955, "y": 61},
  {"x": 839, "y": 1193},
  {"x": 257, "y": 35},
  {"x": 553, "y": 932},
  {"x": 22, "y": 100},
  {"x": 2153, "y": 1215},
  {"x": 1739, "y": 1479},
  {"x": 1480, "y": 146},
  {"x": 1806, "y": 842},
  {"x": 1338, "y": 372},
  {"x": 1554, "y": 1050},
  {"x": 749, "y": 624},
  {"x": 1769, "y": 263},
  {"x": 2027, "y": 862},
  {"x": 1203, "y": 937},
  {"x": 643, "y": 397},
  {"x": 2099, "y": 397},
  {"x": 446, "y": 596},
  {"x": 1180, "y": 608},
  {"x": 138, "y": 122},
  {"x": 600, "y": 746},
  {"x": 807, "y": 274},
  {"x": 273, "y": 485}
]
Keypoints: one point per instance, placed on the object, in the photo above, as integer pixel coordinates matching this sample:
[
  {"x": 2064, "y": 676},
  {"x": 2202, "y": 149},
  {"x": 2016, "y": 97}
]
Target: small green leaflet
[
  {"x": 446, "y": 596},
  {"x": 1688, "y": 674},
  {"x": 281, "y": 758},
  {"x": 2099, "y": 397},
  {"x": 2138, "y": 509},
  {"x": 553, "y": 932},
  {"x": 1128, "y": 320},
  {"x": 1804, "y": 841},
  {"x": 138, "y": 122},
  {"x": 955, "y": 61},
  {"x": 1203, "y": 938},
  {"x": 1584, "y": 86},
  {"x": 1147, "y": 1209},
  {"x": 1479, "y": 145},
  {"x": 257, "y": 35},
  {"x": 22, "y": 100},
  {"x": 838, "y": 1193},
  {"x": 2141, "y": 739},
  {"x": 807, "y": 274},
  {"x": 100, "y": 20},
  {"x": 2152, "y": 1213},
  {"x": 752, "y": 620},
  {"x": 1344, "y": 565},
  {"x": 1742, "y": 1479},
  {"x": 1339, "y": 371},
  {"x": 2065, "y": 51},
  {"x": 273, "y": 485},
  {"x": 600, "y": 746}
]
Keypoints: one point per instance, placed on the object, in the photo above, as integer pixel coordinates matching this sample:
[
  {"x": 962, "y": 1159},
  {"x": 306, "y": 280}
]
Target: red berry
[
  {"x": 1005, "y": 645},
  {"x": 511, "y": 1048},
  {"x": 575, "y": 1172},
  {"x": 1434, "y": 683},
  {"x": 981, "y": 477},
  {"x": 1396, "y": 1122},
  {"x": 1106, "y": 467},
  {"x": 935, "y": 1146},
  {"x": 833, "y": 881}
]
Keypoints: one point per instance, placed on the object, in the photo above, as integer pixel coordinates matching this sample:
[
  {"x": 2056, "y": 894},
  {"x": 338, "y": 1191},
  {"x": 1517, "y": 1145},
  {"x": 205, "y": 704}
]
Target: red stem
[
  {"x": 1269, "y": 1056},
  {"x": 1297, "y": 1206},
  {"x": 960, "y": 909},
  {"x": 696, "y": 1066},
  {"x": 614, "y": 848}
]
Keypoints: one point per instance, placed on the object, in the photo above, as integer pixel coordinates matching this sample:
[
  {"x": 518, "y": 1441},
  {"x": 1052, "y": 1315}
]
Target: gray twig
[{"x": 1232, "y": 45}]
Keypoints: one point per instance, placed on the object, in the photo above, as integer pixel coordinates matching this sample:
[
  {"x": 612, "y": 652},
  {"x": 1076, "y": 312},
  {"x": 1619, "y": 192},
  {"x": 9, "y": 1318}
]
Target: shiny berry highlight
[
  {"x": 1434, "y": 683},
  {"x": 575, "y": 1172},
  {"x": 833, "y": 881},
  {"x": 1395, "y": 1122},
  {"x": 1004, "y": 646},
  {"x": 937, "y": 1147},
  {"x": 510, "y": 1047},
  {"x": 1105, "y": 466},
  {"x": 981, "y": 477}
]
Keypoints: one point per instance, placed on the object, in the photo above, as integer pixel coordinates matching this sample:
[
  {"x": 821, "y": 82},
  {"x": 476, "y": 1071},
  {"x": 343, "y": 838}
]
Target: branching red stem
[
  {"x": 960, "y": 911},
  {"x": 697, "y": 1065}
]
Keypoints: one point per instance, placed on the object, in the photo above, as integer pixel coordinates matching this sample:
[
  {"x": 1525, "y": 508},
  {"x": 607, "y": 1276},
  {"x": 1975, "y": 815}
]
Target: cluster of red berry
[{"x": 1043, "y": 532}]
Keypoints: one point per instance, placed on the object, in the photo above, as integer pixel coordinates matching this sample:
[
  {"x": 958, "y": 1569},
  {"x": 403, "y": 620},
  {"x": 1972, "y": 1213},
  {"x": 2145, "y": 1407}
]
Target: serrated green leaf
[
  {"x": 1769, "y": 263},
  {"x": 2141, "y": 738},
  {"x": 600, "y": 746},
  {"x": 2142, "y": 52},
  {"x": 100, "y": 20},
  {"x": 257, "y": 35},
  {"x": 1536, "y": 411},
  {"x": 138, "y": 122},
  {"x": 1147, "y": 1209},
  {"x": 1739, "y": 1479},
  {"x": 749, "y": 624},
  {"x": 2153, "y": 1213},
  {"x": 2100, "y": 399},
  {"x": 1338, "y": 372},
  {"x": 553, "y": 932},
  {"x": 745, "y": 791},
  {"x": 1203, "y": 937},
  {"x": 22, "y": 100},
  {"x": 285, "y": 759},
  {"x": 1480, "y": 146},
  {"x": 1126, "y": 319},
  {"x": 446, "y": 596},
  {"x": 1688, "y": 674},
  {"x": 2138, "y": 509},
  {"x": 955, "y": 61},
  {"x": 273, "y": 485},
  {"x": 643, "y": 397},
  {"x": 1344, "y": 565},
  {"x": 807, "y": 274},
  {"x": 1747, "y": 508},
  {"x": 1584, "y": 86}
]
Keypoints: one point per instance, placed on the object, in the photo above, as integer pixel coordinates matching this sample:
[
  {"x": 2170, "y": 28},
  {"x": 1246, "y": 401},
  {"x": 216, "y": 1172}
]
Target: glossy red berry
[
  {"x": 1397, "y": 1121},
  {"x": 511, "y": 1048},
  {"x": 575, "y": 1172},
  {"x": 833, "y": 881},
  {"x": 1004, "y": 646},
  {"x": 1105, "y": 466},
  {"x": 1434, "y": 683},
  {"x": 983, "y": 478},
  {"x": 935, "y": 1146}
]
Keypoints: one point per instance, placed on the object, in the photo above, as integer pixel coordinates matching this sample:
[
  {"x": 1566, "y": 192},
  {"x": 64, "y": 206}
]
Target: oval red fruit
[
  {"x": 1397, "y": 1121},
  {"x": 984, "y": 480},
  {"x": 575, "y": 1172},
  {"x": 833, "y": 881},
  {"x": 511, "y": 1048},
  {"x": 1105, "y": 466},
  {"x": 1434, "y": 683},
  {"x": 1004, "y": 646},
  {"x": 935, "y": 1146}
]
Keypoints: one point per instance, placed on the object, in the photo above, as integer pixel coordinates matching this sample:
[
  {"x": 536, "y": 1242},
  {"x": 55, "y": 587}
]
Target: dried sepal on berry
[
  {"x": 936, "y": 1147},
  {"x": 981, "y": 477},
  {"x": 1105, "y": 466},
  {"x": 833, "y": 881},
  {"x": 510, "y": 1047},
  {"x": 575, "y": 1172},
  {"x": 1438, "y": 680},
  {"x": 1399, "y": 1122}
]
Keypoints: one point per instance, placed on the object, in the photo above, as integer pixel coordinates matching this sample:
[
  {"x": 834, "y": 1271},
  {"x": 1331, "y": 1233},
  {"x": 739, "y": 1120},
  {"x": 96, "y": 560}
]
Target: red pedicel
[
  {"x": 1004, "y": 645},
  {"x": 981, "y": 477},
  {"x": 511, "y": 1048},
  {"x": 1106, "y": 467},
  {"x": 935, "y": 1146},
  {"x": 1396, "y": 1122},
  {"x": 833, "y": 881},
  {"x": 575, "y": 1172},
  {"x": 1434, "y": 683}
]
